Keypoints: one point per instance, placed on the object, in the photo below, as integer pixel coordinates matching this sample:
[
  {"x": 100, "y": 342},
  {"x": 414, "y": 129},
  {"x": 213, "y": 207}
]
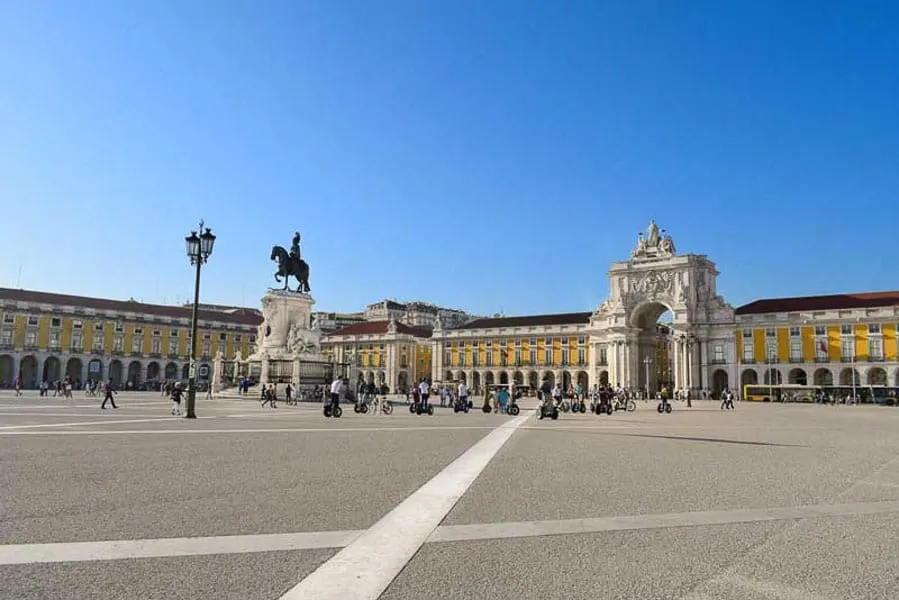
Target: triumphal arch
[{"x": 631, "y": 348}]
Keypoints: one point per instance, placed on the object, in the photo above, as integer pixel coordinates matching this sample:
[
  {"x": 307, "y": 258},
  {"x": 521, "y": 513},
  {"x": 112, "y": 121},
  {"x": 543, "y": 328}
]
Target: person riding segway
[{"x": 332, "y": 407}]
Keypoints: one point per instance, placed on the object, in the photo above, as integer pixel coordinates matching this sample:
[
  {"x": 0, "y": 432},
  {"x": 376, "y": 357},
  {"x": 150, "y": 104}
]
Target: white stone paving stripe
[
  {"x": 259, "y": 430},
  {"x": 492, "y": 531},
  {"x": 364, "y": 569},
  {"x": 245, "y": 544},
  {"x": 113, "y": 420},
  {"x": 23, "y": 554}
]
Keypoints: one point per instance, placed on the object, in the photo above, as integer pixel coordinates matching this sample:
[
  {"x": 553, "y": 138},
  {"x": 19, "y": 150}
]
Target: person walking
[
  {"x": 110, "y": 392},
  {"x": 175, "y": 393}
]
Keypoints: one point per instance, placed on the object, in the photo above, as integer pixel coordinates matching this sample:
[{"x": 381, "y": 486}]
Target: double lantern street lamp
[
  {"x": 646, "y": 362},
  {"x": 199, "y": 248}
]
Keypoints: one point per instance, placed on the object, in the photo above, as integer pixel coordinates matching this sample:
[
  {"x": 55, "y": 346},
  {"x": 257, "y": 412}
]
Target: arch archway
[
  {"x": 171, "y": 371},
  {"x": 550, "y": 377},
  {"x": 503, "y": 378},
  {"x": 153, "y": 371},
  {"x": 402, "y": 380},
  {"x": 877, "y": 376},
  {"x": 116, "y": 371},
  {"x": 488, "y": 378},
  {"x": 823, "y": 377},
  {"x": 134, "y": 373},
  {"x": 518, "y": 378},
  {"x": 749, "y": 377},
  {"x": 533, "y": 379},
  {"x": 475, "y": 381},
  {"x": 773, "y": 377},
  {"x": 848, "y": 375},
  {"x": 185, "y": 371},
  {"x": 52, "y": 369},
  {"x": 382, "y": 378},
  {"x": 448, "y": 376},
  {"x": 28, "y": 370},
  {"x": 463, "y": 378},
  {"x": 719, "y": 381},
  {"x": 604, "y": 378},
  {"x": 95, "y": 369},
  {"x": 74, "y": 369},
  {"x": 370, "y": 377},
  {"x": 583, "y": 380},
  {"x": 652, "y": 318},
  {"x": 7, "y": 366},
  {"x": 797, "y": 377},
  {"x": 566, "y": 380}
]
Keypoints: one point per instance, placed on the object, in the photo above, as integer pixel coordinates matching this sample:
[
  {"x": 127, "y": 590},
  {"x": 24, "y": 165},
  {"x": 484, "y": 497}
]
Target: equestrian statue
[{"x": 290, "y": 263}]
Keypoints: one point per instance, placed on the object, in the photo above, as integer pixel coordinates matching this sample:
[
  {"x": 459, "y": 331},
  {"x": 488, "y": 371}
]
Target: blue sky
[{"x": 490, "y": 155}]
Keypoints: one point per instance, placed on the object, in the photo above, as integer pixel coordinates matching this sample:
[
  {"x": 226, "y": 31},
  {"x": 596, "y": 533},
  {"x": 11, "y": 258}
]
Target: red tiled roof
[
  {"x": 529, "y": 321},
  {"x": 380, "y": 327},
  {"x": 243, "y": 316},
  {"x": 831, "y": 302}
]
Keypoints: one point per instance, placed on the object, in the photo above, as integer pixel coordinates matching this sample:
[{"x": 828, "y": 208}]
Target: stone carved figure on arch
[{"x": 655, "y": 243}]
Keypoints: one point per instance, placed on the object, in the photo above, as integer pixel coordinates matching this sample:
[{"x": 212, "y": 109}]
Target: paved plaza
[{"x": 765, "y": 502}]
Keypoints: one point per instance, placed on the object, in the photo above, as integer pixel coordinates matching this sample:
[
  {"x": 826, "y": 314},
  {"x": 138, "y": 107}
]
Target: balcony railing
[
  {"x": 875, "y": 359},
  {"x": 76, "y": 349},
  {"x": 717, "y": 361},
  {"x": 173, "y": 355},
  {"x": 31, "y": 347},
  {"x": 6, "y": 346},
  {"x": 796, "y": 359},
  {"x": 822, "y": 359},
  {"x": 54, "y": 348},
  {"x": 748, "y": 361},
  {"x": 155, "y": 355},
  {"x": 137, "y": 353}
]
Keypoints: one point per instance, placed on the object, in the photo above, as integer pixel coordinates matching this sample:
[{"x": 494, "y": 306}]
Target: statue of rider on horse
[{"x": 290, "y": 263}]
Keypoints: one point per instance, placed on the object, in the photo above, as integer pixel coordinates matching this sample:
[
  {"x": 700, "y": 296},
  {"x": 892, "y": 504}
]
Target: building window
[
  {"x": 9, "y": 319},
  {"x": 447, "y": 355},
  {"x": 795, "y": 350},
  {"x": 237, "y": 338},
  {"x": 847, "y": 349},
  {"x": 474, "y": 356},
  {"x": 173, "y": 333},
  {"x": 748, "y": 351},
  {"x": 875, "y": 349},
  {"x": 874, "y": 328},
  {"x": 747, "y": 334},
  {"x": 532, "y": 355},
  {"x": 718, "y": 353},
  {"x": 223, "y": 337},
  {"x": 820, "y": 329},
  {"x": 98, "y": 341},
  {"x": 582, "y": 340},
  {"x": 548, "y": 355},
  {"x": 564, "y": 341},
  {"x": 138, "y": 331},
  {"x": 77, "y": 340},
  {"x": 771, "y": 351},
  {"x": 118, "y": 343},
  {"x": 462, "y": 351},
  {"x": 77, "y": 325},
  {"x": 565, "y": 356},
  {"x": 30, "y": 338},
  {"x": 846, "y": 329},
  {"x": 6, "y": 338},
  {"x": 518, "y": 355},
  {"x": 581, "y": 356},
  {"x": 32, "y": 321},
  {"x": 207, "y": 345},
  {"x": 156, "y": 346},
  {"x": 794, "y": 332},
  {"x": 98, "y": 326},
  {"x": 54, "y": 339},
  {"x": 173, "y": 347},
  {"x": 770, "y": 332},
  {"x": 55, "y": 322},
  {"x": 136, "y": 343},
  {"x": 604, "y": 356},
  {"x": 821, "y": 350},
  {"x": 119, "y": 327}
]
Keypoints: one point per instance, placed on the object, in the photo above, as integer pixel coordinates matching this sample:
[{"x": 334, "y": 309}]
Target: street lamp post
[
  {"x": 646, "y": 362},
  {"x": 199, "y": 248},
  {"x": 688, "y": 340}
]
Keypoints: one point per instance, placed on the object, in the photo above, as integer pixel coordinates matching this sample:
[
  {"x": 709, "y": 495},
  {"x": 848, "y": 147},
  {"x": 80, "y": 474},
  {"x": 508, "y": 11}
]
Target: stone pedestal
[{"x": 283, "y": 311}]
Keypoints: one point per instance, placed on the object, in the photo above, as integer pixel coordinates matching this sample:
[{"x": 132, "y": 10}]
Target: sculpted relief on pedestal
[{"x": 652, "y": 284}]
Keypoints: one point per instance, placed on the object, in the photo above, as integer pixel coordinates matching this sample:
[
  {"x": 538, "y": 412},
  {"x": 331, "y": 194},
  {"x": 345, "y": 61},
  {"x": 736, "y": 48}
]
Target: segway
[
  {"x": 424, "y": 407},
  {"x": 664, "y": 407},
  {"x": 332, "y": 409},
  {"x": 460, "y": 405},
  {"x": 513, "y": 408},
  {"x": 551, "y": 411}
]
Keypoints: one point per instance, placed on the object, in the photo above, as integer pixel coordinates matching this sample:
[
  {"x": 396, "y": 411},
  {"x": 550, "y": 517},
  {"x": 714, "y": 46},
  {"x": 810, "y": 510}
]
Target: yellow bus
[{"x": 779, "y": 393}]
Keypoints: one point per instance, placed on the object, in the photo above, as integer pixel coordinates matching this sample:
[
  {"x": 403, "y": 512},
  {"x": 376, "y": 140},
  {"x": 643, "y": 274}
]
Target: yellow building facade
[{"x": 47, "y": 337}]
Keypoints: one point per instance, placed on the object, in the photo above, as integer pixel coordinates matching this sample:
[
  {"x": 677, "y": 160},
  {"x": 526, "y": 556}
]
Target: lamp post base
[{"x": 189, "y": 412}]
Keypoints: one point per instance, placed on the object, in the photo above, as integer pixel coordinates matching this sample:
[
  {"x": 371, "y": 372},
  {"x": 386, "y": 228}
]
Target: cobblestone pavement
[{"x": 763, "y": 502}]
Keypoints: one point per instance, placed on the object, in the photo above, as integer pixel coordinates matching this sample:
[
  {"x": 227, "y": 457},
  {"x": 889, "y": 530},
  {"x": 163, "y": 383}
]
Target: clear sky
[{"x": 489, "y": 155}]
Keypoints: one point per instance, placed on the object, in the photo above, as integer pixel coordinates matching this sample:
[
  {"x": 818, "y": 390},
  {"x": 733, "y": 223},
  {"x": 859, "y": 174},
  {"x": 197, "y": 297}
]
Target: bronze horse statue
[{"x": 289, "y": 265}]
